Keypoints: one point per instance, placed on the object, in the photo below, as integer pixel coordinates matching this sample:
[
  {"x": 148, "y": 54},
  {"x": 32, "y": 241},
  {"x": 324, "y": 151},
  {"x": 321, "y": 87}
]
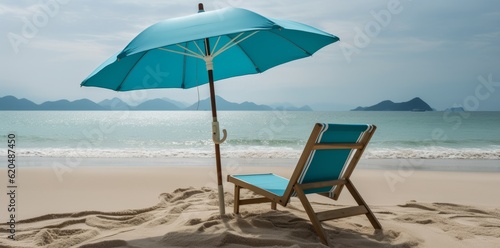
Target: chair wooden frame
[{"x": 293, "y": 185}]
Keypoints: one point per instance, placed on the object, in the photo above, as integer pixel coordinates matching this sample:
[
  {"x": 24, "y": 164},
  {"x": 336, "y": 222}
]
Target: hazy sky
[{"x": 446, "y": 52}]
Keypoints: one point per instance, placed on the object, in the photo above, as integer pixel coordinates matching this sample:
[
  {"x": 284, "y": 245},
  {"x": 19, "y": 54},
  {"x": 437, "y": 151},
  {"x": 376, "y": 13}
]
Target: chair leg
[
  {"x": 237, "y": 199},
  {"x": 357, "y": 197},
  {"x": 273, "y": 205},
  {"x": 312, "y": 215}
]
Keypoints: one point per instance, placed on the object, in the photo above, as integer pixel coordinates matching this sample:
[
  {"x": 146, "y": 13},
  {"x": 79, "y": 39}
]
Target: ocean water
[{"x": 267, "y": 134}]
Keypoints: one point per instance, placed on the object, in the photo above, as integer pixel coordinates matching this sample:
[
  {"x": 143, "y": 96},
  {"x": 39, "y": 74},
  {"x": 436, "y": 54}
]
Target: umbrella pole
[
  {"x": 215, "y": 130},
  {"x": 217, "y": 146}
]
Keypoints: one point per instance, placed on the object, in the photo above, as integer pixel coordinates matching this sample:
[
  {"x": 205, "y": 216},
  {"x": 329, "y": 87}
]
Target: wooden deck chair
[{"x": 325, "y": 166}]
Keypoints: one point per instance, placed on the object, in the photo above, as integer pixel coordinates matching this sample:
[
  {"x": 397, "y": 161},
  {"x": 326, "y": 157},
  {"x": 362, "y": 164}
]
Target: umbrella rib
[
  {"x": 129, "y": 71},
  {"x": 182, "y": 53},
  {"x": 187, "y": 49},
  {"x": 250, "y": 58},
  {"x": 199, "y": 49},
  {"x": 227, "y": 44},
  {"x": 293, "y": 43},
  {"x": 216, "y": 43},
  {"x": 233, "y": 42}
]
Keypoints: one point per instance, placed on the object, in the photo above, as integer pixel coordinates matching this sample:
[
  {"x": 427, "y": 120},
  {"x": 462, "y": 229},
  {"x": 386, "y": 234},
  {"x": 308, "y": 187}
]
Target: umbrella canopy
[
  {"x": 241, "y": 42},
  {"x": 193, "y": 50}
]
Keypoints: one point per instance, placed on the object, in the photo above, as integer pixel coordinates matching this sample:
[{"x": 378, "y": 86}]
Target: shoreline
[{"x": 453, "y": 165}]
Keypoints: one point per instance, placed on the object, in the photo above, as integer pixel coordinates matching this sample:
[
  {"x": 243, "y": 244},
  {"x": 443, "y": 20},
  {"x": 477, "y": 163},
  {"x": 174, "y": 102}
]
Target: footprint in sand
[{"x": 462, "y": 221}]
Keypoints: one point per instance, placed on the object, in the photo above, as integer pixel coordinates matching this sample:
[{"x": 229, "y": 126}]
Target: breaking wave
[{"x": 261, "y": 152}]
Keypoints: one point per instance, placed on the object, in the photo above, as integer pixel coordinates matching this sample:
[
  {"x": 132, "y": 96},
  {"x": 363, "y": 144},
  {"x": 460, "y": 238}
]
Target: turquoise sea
[{"x": 267, "y": 134}]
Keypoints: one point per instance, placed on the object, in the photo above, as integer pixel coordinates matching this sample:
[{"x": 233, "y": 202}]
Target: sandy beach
[{"x": 176, "y": 206}]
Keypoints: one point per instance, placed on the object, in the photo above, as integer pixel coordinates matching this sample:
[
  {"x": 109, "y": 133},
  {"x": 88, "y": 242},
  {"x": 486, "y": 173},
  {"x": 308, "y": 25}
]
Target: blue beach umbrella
[{"x": 194, "y": 50}]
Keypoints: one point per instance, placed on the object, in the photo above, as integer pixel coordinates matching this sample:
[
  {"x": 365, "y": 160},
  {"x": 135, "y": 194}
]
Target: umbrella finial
[{"x": 201, "y": 8}]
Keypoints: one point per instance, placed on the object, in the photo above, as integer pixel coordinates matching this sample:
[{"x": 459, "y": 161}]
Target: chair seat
[{"x": 269, "y": 182}]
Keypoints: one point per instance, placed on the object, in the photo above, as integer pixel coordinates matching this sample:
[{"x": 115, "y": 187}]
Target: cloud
[
  {"x": 486, "y": 41},
  {"x": 408, "y": 44},
  {"x": 73, "y": 50},
  {"x": 15, "y": 11},
  {"x": 117, "y": 37},
  {"x": 440, "y": 45}
]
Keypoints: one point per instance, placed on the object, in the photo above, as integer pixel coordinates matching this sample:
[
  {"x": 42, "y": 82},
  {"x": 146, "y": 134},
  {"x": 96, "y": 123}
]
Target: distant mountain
[
  {"x": 156, "y": 104},
  {"x": 223, "y": 104},
  {"x": 181, "y": 105},
  {"x": 290, "y": 107},
  {"x": 82, "y": 104},
  {"x": 332, "y": 105},
  {"x": 455, "y": 109},
  {"x": 114, "y": 104},
  {"x": 415, "y": 104},
  {"x": 12, "y": 103}
]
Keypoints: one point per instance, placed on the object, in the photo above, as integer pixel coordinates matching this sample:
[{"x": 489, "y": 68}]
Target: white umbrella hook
[{"x": 216, "y": 133}]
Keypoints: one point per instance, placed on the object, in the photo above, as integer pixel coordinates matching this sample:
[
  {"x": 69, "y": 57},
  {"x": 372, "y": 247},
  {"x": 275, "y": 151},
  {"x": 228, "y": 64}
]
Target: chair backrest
[{"x": 331, "y": 153}]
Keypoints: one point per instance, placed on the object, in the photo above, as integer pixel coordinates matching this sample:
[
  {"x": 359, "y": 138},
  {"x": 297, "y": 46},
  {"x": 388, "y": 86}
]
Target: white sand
[{"x": 176, "y": 206}]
